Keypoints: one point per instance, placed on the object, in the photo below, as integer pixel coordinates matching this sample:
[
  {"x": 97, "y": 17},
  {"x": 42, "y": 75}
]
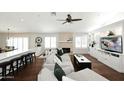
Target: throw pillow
[
  {"x": 57, "y": 60},
  {"x": 58, "y": 72},
  {"x": 59, "y": 51},
  {"x": 59, "y": 57},
  {"x": 66, "y": 50}
]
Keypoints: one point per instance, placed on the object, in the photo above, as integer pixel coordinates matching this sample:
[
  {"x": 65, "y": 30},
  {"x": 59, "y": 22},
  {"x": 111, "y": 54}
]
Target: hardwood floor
[
  {"x": 30, "y": 72},
  {"x": 104, "y": 70}
]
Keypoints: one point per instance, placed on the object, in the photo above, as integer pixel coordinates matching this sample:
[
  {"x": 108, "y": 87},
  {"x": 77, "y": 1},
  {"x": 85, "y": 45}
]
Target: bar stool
[
  {"x": 27, "y": 58},
  {"x": 7, "y": 68},
  {"x": 17, "y": 63},
  {"x": 32, "y": 56},
  {"x": 20, "y": 62},
  {"x": 0, "y": 73},
  {"x": 23, "y": 60}
]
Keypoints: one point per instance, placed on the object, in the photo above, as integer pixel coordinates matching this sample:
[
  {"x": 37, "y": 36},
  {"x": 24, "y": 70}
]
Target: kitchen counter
[{"x": 6, "y": 56}]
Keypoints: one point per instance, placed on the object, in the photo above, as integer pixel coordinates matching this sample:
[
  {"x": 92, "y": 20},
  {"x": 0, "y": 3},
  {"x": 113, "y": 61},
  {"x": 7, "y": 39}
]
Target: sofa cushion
[
  {"x": 66, "y": 58},
  {"x": 86, "y": 75},
  {"x": 58, "y": 72},
  {"x": 50, "y": 59},
  {"x": 64, "y": 78},
  {"x": 67, "y": 69},
  {"x": 46, "y": 75},
  {"x": 57, "y": 60}
]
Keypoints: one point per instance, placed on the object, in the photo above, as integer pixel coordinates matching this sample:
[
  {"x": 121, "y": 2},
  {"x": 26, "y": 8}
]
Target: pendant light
[{"x": 8, "y": 33}]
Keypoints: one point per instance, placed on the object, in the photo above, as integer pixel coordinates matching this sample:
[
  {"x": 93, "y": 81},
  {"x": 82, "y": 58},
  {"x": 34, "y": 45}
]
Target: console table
[{"x": 81, "y": 62}]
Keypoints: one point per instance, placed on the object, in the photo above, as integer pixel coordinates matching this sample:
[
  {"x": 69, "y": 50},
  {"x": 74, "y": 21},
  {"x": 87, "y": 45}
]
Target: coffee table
[{"x": 81, "y": 62}]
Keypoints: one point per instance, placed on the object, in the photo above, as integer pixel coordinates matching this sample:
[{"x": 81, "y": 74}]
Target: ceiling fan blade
[
  {"x": 61, "y": 20},
  {"x": 64, "y": 22},
  {"x": 76, "y": 19}
]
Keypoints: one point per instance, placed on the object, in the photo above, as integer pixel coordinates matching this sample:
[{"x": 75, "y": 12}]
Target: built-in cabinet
[{"x": 111, "y": 59}]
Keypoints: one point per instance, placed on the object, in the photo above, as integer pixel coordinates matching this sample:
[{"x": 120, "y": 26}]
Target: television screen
[{"x": 112, "y": 43}]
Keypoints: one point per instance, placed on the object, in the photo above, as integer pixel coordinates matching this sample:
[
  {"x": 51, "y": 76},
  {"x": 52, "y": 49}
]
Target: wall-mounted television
[{"x": 112, "y": 43}]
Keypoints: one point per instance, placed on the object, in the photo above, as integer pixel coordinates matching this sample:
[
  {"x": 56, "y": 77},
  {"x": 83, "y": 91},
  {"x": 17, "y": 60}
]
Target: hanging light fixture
[
  {"x": 8, "y": 33},
  {"x": 8, "y": 37}
]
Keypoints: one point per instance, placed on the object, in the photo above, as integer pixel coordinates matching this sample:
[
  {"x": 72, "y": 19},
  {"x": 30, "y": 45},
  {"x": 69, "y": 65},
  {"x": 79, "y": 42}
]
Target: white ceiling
[{"x": 47, "y": 23}]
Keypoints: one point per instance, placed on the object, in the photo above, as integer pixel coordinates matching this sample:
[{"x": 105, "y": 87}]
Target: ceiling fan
[{"x": 69, "y": 19}]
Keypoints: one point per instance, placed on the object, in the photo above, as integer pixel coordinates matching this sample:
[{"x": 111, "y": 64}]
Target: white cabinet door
[{"x": 114, "y": 62}]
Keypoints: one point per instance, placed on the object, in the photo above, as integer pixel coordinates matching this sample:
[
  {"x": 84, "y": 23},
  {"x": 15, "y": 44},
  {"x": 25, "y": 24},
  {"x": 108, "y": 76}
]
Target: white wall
[
  {"x": 79, "y": 50},
  {"x": 103, "y": 56},
  {"x": 117, "y": 28},
  {"x": 2, "y": 40},
  {"x": 32, "y": 37}
]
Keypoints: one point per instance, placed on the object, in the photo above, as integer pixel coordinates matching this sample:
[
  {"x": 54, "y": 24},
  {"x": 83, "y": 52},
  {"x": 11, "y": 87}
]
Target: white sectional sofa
[
  {"x": 83, "y": 75},
  {"x": 47, "y": 73},
  {"x": 86, "y": 75}
]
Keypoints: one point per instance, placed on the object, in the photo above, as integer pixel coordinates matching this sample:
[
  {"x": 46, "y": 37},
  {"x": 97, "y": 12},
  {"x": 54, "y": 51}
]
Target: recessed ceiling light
[
  {"x": 22, "y": 20},
  {"x": 38, "y": 15}
]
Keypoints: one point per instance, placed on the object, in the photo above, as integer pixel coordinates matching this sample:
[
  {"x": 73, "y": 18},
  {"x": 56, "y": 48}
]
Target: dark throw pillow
[
  {"x": 59, "y": 57},
  {"x": 66, "y": 50},
  {"x": 58, "y": 72},
  {"x": 59, "y": 52}
]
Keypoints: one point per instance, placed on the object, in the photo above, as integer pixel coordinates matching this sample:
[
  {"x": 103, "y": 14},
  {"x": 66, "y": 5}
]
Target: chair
[
  {"x": 6, "y": 69},
  {"x": 23, "y": 59},
  {"x": 17, "y": 63},
  {"x": 28, "y": 59},
  {"x": 32, "y": 56}
]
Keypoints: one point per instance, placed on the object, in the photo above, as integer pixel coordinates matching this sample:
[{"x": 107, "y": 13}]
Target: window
[
  {"x": 50, "y": 42},
  {"x": 81, "y": 41},
  {"x": 20, "y": 43}
]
